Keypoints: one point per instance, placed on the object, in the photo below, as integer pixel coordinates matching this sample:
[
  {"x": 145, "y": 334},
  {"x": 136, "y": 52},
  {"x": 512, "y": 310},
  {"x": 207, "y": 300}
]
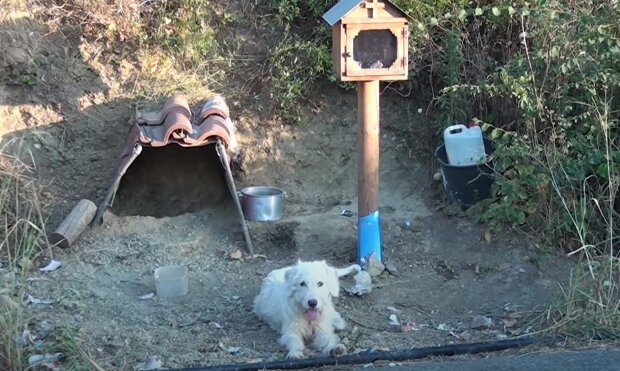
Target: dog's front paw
[
  {"x": 340, "y": 324},
  {"x": 295, "y": 354},
  {"x": 357, "y": 268},
  {"x": 337, "y": 350}
]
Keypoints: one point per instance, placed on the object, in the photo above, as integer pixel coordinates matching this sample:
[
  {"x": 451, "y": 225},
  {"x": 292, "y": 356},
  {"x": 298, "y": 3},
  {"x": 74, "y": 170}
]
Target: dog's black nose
[{"x": 312, "y": 303}]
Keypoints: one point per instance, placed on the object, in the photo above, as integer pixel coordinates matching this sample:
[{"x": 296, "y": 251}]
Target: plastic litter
[
  {"x": 153, "y": 363},
  {"x": 346, "y": 212},
  {"x": 52, "y": 266},
  {"x": 32, "y": 300}
]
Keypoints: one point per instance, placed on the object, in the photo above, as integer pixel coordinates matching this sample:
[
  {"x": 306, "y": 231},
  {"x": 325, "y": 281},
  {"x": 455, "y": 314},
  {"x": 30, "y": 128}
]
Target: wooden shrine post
[{"x": 370, "y": 44}]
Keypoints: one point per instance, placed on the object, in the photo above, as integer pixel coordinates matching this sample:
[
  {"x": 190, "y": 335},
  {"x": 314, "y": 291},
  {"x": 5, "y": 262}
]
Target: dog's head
[{"x": 312, "y": 285}]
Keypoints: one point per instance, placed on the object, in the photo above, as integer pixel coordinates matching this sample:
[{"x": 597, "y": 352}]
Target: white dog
[{"x": 296, "y": 301}]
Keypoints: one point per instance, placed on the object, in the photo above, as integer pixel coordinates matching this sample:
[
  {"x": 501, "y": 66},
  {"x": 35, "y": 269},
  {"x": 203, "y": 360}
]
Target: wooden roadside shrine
[{"x": 370, "y": 44}]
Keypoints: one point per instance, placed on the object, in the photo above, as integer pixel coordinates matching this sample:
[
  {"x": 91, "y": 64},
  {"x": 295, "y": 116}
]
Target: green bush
[
  {"x": 565, "y": 83},
  {"x": 302, "y": 56},
  {"x": 543, "y": 78},
  {"x": 293, "y": 66}
]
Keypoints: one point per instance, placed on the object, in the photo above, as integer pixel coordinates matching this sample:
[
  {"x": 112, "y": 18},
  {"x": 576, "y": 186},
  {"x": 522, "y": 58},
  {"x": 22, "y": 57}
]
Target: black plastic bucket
[{"x": 467, "y": 185}]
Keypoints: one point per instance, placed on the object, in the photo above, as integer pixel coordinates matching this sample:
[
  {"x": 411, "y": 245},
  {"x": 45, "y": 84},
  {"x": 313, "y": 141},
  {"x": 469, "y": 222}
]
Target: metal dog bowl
[{"x": 261, "y": 203}]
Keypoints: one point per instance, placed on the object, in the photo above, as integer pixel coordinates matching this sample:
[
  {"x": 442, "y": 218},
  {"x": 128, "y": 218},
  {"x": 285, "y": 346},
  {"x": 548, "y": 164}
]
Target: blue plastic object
[{"x": 369, "y": 238}]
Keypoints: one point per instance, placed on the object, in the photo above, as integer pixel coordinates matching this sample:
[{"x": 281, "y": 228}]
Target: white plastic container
[
  {"x": 171, "y": 281},
  {"x": 464, "y": 146}
]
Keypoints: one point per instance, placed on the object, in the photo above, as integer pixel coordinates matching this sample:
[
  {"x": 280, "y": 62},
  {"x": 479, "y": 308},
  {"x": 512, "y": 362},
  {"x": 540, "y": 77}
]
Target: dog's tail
[{"x": 354, "y": 268}]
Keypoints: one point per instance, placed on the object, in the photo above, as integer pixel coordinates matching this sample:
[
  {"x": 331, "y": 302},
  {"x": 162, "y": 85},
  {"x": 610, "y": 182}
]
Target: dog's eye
[
  {"x": 302, "y": 284},
  {"x": 320, "y": 284}
]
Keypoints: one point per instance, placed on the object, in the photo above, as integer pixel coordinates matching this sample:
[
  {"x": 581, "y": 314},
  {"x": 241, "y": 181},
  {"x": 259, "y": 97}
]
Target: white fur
[{"x": 283, "y": 302}]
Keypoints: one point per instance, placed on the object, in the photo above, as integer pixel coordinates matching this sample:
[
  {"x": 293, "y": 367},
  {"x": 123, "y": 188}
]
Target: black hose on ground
[{"x": 373, "y": 356}]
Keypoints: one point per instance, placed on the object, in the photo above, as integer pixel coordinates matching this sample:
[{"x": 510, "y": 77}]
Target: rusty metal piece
[{"x": 109, "y": 198}]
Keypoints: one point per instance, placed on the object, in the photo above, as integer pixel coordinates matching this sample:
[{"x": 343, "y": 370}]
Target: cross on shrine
[{"x": 371, "y": 5}]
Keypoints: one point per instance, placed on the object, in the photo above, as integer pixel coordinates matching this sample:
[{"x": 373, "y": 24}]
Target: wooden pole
[
  {"x": 369, "y": 236},
  {"x": 74, "y": 224}
]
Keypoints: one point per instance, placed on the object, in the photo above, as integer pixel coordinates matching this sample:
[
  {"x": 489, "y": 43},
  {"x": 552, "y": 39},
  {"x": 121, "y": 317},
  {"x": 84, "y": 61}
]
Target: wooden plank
[
  {"x": 391, "y": 22},
  {"x": 336, "y": 49},
  {"x": 361, "y": 12},
  {"x": 377, "y": 78},
  {"x": 368, "y": 147}
]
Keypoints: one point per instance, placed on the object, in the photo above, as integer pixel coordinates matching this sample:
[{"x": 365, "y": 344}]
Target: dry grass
[
  {"x": 590, "y": 303},
  {"x": 22, "y": 241},
  {"x": 91, "y": 16},
  {"x": 22, "y": 237}
]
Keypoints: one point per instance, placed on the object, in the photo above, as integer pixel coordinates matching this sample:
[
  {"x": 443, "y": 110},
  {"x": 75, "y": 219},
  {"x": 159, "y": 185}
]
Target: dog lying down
[{"x": 296, "y": 301}]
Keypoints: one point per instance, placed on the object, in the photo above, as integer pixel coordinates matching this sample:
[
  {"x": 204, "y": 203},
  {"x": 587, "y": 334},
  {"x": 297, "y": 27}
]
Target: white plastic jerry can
[{"x": 464, "y": 146}]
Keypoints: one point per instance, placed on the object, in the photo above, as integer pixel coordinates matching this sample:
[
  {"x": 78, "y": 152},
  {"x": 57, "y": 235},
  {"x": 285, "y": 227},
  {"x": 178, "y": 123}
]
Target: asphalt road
[{"x": 600, "y": 359}]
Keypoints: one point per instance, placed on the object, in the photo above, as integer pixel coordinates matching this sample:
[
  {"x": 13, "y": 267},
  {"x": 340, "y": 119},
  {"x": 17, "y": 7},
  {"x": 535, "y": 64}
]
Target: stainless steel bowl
[{"x": 261, "y": 203}]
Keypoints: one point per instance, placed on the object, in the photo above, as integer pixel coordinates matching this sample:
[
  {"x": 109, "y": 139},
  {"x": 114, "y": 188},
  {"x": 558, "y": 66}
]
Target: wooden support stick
[
  {"x": 233, "y": 191},
  {"x": 368, "y": 147},
  {"x": 74, "y": 224},
  {"x": 369, "y": 229}
]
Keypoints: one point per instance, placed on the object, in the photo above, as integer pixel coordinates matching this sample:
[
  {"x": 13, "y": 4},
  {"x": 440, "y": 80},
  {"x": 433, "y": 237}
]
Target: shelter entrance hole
[{"x": 173, "y": 180}]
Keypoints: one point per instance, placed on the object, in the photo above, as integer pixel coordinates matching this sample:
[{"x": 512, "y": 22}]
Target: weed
[
  {"x": 28, "y": 79},
  {"x": 184, "y": 27},
  {"x": 74, "y": 356},
  {"x": 589, "y": 306}
]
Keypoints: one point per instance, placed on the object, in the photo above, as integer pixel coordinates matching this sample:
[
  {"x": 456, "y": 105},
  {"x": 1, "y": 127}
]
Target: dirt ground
[{"x": 448, "y": 270}]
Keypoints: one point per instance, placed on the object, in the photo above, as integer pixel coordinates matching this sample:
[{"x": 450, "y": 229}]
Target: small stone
[
  {"x": 236, "y": 255},
  {"x": 374, "y": 266},
  {"x": 362, "y": 286},
  {"x": 480, "y": 322},
  {"x": 391, "y": 268}
]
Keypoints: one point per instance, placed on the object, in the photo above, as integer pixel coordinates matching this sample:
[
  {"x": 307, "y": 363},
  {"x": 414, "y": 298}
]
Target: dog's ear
[
  {"x": 289, "y": 275},
  {"x": 332, "y": 281}
]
